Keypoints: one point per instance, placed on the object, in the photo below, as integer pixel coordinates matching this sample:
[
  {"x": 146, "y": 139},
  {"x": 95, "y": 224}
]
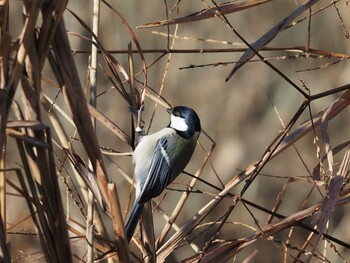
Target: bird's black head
[{"x": 185, "y": 121}]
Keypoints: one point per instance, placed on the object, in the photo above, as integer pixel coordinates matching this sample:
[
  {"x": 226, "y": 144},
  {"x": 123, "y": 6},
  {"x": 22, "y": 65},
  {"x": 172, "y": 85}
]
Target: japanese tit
[{"x": 159, "y": 158}]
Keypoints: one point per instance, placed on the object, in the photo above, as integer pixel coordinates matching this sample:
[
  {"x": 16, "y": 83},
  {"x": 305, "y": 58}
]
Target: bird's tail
[{"x": 133, "y": 220}]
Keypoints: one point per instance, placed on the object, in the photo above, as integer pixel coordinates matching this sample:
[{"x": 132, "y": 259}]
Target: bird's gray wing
[{"x": 159, "y": 174}]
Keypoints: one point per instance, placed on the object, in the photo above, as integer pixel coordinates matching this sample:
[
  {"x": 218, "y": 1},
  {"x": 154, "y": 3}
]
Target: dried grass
[{"x": 43, "y": 159}]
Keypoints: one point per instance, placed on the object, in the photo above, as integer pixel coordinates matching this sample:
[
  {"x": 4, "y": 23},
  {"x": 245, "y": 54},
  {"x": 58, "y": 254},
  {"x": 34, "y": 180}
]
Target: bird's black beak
[{"x": 170, "y": 111}]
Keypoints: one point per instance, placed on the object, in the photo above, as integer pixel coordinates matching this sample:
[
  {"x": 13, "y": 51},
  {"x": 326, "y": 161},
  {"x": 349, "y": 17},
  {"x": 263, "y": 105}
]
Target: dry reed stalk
[
  {"x": 118, "y": 223},
  {"x": 4, "y": 10},
  {"x": 74, "y": 95},
  {"x": 226, "y": 8},
  {"x": 225, "y": 250},
  {"x": 92, "y": 100},
  {"x": 331, "y": 111},
  {"x": 270, "y": 35},
  {"x": 37, "y": 160},
  {"x": 22, "y": 61},
  {"x": 4, "y": 251},
  {"x": 51, "y": 219}
]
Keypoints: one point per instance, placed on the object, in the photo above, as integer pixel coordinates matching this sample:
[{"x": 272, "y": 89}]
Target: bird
[{"x": 160, "y": 157}]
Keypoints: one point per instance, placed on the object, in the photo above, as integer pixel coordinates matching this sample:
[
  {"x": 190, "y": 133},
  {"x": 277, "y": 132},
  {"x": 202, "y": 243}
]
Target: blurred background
[{"x": 242, "y": 115}]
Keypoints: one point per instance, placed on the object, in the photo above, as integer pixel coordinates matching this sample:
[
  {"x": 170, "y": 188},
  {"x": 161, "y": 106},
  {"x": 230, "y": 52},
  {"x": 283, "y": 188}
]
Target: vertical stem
[
  {"x": 90, "y": 228},
  {"x": 4, "y": 10},
  {"x": 92, "y": 101},
  {"x": 93, "y": 63},
  {"x": 4, "y": 253},
  {"x": 3, "y": 185}
]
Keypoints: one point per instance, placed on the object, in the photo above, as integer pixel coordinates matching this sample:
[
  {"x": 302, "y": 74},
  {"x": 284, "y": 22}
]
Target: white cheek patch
[{"x": 178, "y": 123}]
